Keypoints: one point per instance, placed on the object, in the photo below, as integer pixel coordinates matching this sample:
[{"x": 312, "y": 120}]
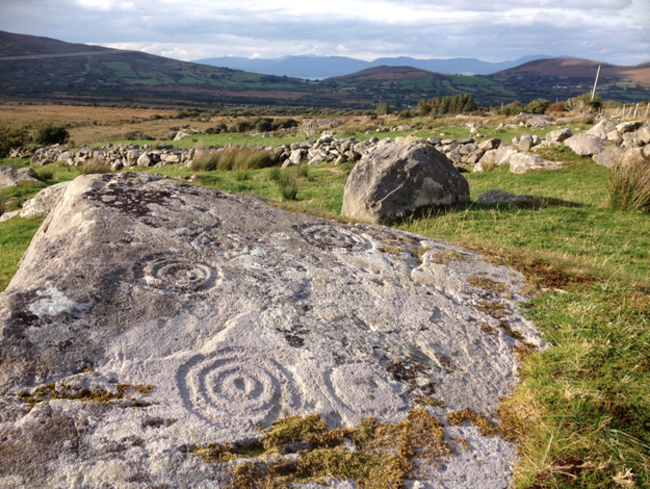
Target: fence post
[{"x": 636, "y": 110}]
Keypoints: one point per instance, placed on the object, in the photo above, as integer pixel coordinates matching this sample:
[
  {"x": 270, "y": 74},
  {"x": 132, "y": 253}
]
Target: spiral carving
[{"x": 177, "y": 273}]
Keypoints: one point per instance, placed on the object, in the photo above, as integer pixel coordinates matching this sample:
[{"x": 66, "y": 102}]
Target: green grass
[
  {"x": 15, "y": 236},
  {"x": 582, "y": 410}
]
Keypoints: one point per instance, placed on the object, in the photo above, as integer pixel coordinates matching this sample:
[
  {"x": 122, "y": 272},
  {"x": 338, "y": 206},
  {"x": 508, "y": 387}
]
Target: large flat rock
[{"x": 166, "y": 315}]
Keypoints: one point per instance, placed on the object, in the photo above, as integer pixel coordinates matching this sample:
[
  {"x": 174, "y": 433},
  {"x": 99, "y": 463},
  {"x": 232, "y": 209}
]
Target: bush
[
  {"x": 629, "y": 186},
  {"x": 50, "y": 134},
  {"x": 12, "y": 137},
  {"x": 382, "y": 109},
  {"x": 404, "y": 114},
  {"x": 556, "y": 107},
  {"x": 462, "y": 103},
  {"x": 537, "y": 106}
]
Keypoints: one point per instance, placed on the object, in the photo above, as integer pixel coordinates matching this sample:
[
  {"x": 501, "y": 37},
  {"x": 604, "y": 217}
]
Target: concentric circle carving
[
  {"x": 237, "y": 383},
  {"x": 177, "y": 273}
]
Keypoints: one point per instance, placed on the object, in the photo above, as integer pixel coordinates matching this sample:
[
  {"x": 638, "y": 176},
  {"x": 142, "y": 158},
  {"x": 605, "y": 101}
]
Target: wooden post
[
  {"x": 647, "y": 107},
  {"x": 623, "y": 113},
  {"x": 593, "y": 93},
  {"x": 636, "y": 110}
]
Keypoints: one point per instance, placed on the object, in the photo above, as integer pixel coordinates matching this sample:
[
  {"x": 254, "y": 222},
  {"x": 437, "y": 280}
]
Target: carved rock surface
[
  {"x": 398, "y": 178},
  {"x": 165, "y": 315}
]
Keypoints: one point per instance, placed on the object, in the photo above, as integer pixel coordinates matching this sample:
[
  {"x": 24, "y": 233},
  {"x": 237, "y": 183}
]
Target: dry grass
[
  {"x": 629, "y": 187},
  {"x": 94, "y": 166},
  {"x": 232, "y": 158}
]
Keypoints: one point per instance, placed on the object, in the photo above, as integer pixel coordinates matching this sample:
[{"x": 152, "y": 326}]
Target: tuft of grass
[
  {"x": 275, "y": 174},
  {"x": 288, "y": 185},
  {"x": 3, "y": 201},
  {"x": 629, "y": 187},
  {"x": 94, "y": 166},
  {"x": 46, "y": 172},
  {"x": 232, "y": 158},
  {"x": 242, "y": 176},
  {"x": 15, "y": 236}
]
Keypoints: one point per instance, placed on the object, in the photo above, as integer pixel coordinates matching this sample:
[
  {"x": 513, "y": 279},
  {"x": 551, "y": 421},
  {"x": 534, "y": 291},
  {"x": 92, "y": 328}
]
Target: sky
[{"x": 613, "y": 31}]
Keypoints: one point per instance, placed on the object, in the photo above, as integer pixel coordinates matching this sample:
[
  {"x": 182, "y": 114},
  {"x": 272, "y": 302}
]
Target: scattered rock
[
  {"x": 585, "y": 145},
  {"x": 43, "y": 202},
  {"x": 610, "y": 156},
  {"x": 10, "y": 177},
  {"x": 629, "y": 126},
  {"x": 503, "y": 197},
  {"x": 558, "y": 136},
  {"x": 396, "y": 179},
  {"x": 602, "y": 129},
  {"x": 526, "y": 162}
]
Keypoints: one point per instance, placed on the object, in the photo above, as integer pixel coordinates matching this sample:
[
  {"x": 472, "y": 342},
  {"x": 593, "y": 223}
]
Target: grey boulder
[
  {"x": 10, "y": 177},
  {"x": 558, "y": 136},
  {"x": 43, "y": 202},
  {"x": 611, "y": 156},
  {"x": 397, "y": 178},
  {"x": 585, "y": 145},
  {"x": 149, "y": 316},
  {"x": 526, "y": 162}
]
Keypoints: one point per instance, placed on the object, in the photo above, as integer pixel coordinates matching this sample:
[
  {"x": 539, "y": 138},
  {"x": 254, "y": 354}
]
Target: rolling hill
[{"x": 35, "y": 68}]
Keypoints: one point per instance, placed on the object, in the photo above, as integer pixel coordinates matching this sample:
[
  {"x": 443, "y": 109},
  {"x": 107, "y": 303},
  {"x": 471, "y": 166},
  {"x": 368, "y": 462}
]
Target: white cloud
[{"x": 605, "y": 30}]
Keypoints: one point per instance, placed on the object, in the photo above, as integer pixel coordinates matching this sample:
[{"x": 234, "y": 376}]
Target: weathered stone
[
  {"x": 642, "y": 135},
  {"x": 525, "y": 162},
  {"x": 145, "y": 160},
  {"x": 396, "y": 179},
  {"x": 614, "y": 136},
  {"x": 489, "y": 144},
  {"x": 633, "y": 156},
  {"x": 602, "y": 129},
  {"x": 43, "y": 202},
  {"x": 187, "y": 316},
  {"x": 585, "y": 145},
  {"x": 10, "y": 177},
  {"x": 504, "y": 154},
  {"x": 297, "y": 156},
  {"x": 558, "y": 136},
  {"x": 525, "y": 142},
  {"x": 503, "y": 197},
  {"x": 9, "y": 215},
  {"x": 629, "y": 126},
  {"x": 612, "y": 155},
  {"x": 181, "y": 135}
]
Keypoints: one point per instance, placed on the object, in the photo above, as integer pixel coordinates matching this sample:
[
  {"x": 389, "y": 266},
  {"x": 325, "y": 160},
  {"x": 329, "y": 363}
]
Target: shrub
[
  {"x": 461, "y": 103},
  {"x": 404, "y": 114},
  {"x": 629, "y": 186},
  {"x": 537, "y": 106},
  {"x": 556, "y": 107},
  {"x": 382, "y": 109},
  {"x": 12, "y": 137},
  {"x": 51, "y": 134}
]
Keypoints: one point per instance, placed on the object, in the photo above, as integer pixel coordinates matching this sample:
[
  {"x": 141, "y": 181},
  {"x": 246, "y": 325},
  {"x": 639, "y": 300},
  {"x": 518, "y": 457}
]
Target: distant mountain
[
  {"x": 320, "y": 67},
  {"x": 577, "y": 68},
  {"x": 35, "y": 68}
]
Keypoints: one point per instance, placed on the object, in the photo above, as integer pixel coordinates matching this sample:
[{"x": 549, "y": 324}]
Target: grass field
[{"x": 582, "y": 410}]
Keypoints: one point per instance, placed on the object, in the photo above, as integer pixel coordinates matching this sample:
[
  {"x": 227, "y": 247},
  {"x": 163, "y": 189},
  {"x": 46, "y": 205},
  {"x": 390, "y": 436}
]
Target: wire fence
[{"x": 628, "y": 112}]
